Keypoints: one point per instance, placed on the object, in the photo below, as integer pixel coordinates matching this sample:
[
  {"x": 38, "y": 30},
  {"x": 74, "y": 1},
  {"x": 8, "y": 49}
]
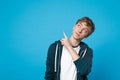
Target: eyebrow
[{"x": 84, "y": 28}]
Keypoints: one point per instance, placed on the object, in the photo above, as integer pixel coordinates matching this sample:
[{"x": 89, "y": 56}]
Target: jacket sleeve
[
  {"x": 84, "y": 64},
  {"x": 50, "y": 74}
]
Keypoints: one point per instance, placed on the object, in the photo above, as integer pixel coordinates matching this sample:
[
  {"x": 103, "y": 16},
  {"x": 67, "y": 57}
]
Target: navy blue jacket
[{"x": 83, "y": 64}]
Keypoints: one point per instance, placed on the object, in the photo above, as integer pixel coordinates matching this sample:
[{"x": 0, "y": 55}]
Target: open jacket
[{"x": 83, "y": 64}]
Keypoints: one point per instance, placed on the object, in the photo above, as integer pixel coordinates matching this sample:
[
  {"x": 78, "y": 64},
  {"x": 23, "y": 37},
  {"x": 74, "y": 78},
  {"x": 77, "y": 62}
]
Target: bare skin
[{"x": 80, "y": 31}]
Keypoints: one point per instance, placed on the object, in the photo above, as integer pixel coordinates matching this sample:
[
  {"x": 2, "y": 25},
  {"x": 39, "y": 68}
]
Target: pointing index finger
[{"x": 65, "y": 36}]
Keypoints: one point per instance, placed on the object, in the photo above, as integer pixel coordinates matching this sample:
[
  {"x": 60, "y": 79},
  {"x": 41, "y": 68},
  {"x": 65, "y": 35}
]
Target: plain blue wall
[{"x": 28, "y": 27}]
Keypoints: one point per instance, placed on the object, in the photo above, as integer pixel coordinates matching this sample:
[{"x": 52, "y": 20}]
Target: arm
[
  {"x": 84, "y": 64},
  {"x": 67, "y": 44},
  {"x": 73, "y": 53},
  {"x": 50, "y": 74}
]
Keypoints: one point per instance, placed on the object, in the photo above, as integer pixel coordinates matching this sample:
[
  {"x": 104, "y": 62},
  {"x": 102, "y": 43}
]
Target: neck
[{"x": 73, "y": 41}]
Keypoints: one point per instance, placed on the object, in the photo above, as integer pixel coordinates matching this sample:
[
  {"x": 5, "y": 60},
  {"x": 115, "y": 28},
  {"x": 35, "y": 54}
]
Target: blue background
[{"x": 28, "y": 27}]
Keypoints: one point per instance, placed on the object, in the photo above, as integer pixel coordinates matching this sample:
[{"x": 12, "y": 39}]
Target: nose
[{"x": 80, "y": 30}]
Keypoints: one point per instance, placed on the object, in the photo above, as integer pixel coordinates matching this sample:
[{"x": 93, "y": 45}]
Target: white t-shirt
[{"x": 68, "y": 69}]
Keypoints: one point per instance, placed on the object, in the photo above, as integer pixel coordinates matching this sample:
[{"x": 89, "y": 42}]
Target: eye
[
  {"x": 79, "y": 26},
  {"x": 85, "y": 31}
]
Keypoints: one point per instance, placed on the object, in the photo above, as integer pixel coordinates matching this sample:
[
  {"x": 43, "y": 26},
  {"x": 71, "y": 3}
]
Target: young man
[{"x": 70, "y": 58}]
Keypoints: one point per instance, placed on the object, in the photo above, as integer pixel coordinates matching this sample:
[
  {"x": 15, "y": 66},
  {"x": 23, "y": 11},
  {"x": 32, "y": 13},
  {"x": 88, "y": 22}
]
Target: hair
[{"x": 89, "y": 23}]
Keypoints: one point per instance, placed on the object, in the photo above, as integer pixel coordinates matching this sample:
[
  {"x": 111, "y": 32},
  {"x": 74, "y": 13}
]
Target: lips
[{"x": 77, "y": 34}]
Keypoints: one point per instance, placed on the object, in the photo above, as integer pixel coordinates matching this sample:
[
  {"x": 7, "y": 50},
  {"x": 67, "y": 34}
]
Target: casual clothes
[
  {"x": 54, "y": 64},
  {"x": 67, "y": 65}
]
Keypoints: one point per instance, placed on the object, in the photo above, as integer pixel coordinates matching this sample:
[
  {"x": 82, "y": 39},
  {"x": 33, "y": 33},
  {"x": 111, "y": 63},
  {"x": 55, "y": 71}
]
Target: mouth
[{"x": 77, "y": 34}]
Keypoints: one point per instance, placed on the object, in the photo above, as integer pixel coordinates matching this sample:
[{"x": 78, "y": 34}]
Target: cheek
[
  {"x": 74, "y": 29},
  {"x": 84, "y": 35}
]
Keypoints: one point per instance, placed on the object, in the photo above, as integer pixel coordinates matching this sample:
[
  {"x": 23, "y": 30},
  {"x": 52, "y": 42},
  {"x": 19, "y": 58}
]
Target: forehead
[{"x": 82, "y": 24}]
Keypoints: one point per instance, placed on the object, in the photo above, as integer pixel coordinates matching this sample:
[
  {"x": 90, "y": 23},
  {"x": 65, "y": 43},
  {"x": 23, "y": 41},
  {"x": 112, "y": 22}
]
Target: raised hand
[
  {"x": 65, "y": 36},
  {"x": 65, "y": 41}
]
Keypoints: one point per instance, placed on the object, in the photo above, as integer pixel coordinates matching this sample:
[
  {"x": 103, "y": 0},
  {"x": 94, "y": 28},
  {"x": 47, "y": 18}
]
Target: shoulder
[
  {"x": 85, "y": 46},
  {"x": 53, "y": 45}
]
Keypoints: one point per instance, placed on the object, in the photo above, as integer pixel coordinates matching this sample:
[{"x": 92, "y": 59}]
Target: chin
[{"x": 77, "y": 38}]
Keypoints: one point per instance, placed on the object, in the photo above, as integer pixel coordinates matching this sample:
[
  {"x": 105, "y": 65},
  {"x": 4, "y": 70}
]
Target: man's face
[{"x": 81, "y": 31}]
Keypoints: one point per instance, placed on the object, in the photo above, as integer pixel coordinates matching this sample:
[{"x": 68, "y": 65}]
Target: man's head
[{"x": 83, "y": 28}]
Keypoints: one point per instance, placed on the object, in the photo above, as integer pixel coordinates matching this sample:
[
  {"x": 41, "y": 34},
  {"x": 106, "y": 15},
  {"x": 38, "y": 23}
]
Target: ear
[{"x": 87, "y": 35}]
